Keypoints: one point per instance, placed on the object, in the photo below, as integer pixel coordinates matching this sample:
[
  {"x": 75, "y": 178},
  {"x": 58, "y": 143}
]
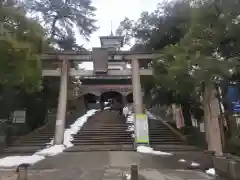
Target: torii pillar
[
  {"x": 141, "y": 120},
  {"x": 62, "y": 104}
]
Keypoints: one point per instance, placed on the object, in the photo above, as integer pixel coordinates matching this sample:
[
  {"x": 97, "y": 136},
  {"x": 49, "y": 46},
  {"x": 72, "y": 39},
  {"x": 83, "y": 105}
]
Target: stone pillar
[
  {"x": 124, "y": 100},
  {"x": 62, "y": 104},
  {"x": 141, "y": 120},
  {"x": 137, "y": 90}
]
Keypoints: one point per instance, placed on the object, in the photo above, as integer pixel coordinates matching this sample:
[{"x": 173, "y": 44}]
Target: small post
[
  {"x": 22, "y": 172},
  {"x": 134, "y": 172},
  {"x": 210, "y": 156},
  {"x": 124, "y": 176},
  {"x": 233, "y": 170}
]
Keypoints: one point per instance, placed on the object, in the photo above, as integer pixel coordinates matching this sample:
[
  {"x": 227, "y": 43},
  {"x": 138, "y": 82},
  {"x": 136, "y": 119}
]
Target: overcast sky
[{"x": 115, "y": 11}]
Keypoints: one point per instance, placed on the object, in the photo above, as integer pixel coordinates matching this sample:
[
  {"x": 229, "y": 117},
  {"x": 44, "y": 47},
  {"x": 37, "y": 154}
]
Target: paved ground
[
  {"x": 109, "y": 165},
  {"x": 103, "y": 165}
]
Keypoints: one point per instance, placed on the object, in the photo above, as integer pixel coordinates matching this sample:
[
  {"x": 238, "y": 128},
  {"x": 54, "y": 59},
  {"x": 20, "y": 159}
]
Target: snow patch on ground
[
  {"x": 106, "y": 108},
  {"x": 68, "y": 136},
  {"x": 130, "y": 119},
  {"x": 130, "y": 128},
  {"x": 149, "y": 150},
  {"x": 130, "y": 122},
  {"x": 211, "y": 171},
  {"x": 128, "y": 176},
  {"x": 151, "y": 116},
  {"x": 12, "y": 161},
  {"x": 194, "y": 164},
  {"x": 181, "y": 160},
  {"x": 50, "y": 150}
]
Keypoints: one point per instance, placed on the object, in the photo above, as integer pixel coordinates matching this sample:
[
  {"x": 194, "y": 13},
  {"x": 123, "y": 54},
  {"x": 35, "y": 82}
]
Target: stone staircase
[
  {"x": 104, "y": 132},
  {"x": 162, "y": 138},
  {"x": 37, "y": 139}
]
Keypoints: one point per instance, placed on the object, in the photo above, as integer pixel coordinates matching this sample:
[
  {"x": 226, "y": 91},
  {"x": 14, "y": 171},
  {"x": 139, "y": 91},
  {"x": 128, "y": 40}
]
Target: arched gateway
[{"x": 110, "y": 73}]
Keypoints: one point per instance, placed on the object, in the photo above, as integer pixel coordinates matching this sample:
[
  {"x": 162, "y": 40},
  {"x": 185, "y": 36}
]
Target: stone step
[
  {"x": 23, "y": 149},
  {"x": 103, "y": 128},
  {"x": 174, "y": 148},
  {"x": 118, "y": 139},
  {"x": 27, "y": 141},
  {"x": 41, "y": 134},
  {"x": 156, "y": 125},
  {"x": 168, "y": 133},
  {"x": 103, "y": 131},
  {"x": 80, "y": 148},
  {"x": 165, "y": 138},
  {"x": 30, "y": 144},
  {"x": 165, "y": 143},
  {"x": 105, "y": 124},
  {"x": 102, "y": 136},
  {"x": 159, "y": 140},
  {"x": 38, "y": 138},
  {"x": 95, "y": 133},
  {"x": 101, "y": 143},
  {"x": 157, "y": 130}
]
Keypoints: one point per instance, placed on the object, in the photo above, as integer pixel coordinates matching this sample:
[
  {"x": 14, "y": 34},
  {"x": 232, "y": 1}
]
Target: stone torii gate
[{"x": 61, "y": 65}]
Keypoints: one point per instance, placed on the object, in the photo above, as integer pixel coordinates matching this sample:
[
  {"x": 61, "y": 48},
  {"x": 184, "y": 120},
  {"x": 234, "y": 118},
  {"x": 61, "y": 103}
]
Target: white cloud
[{"x": 115, "y": 11}]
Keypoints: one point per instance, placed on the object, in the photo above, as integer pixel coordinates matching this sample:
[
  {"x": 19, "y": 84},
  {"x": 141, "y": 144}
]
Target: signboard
[
  {"x": 141, "y": 128},
  {"x": 179, "y": 118},
  {"x": 19, "y": 116},
  {"x": 202, "y": 128},
  {"x": 236, "y": 106},
  {"x": 100, "y": 60},
  {"x": 233, "y": 97}
]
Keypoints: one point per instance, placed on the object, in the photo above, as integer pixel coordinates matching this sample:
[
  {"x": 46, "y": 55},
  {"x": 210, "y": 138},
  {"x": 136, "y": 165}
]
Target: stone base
[{"x": 228, "y": 167}]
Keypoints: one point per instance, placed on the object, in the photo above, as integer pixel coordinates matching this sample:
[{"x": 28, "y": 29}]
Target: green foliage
[
  {"x": 198, "y": 42},
  {"x": 61, "y": 16},
  {"x": 198, "y": 57},
  {"x": 166, "y": 25},
  {"x": 20, "y": 48},
  {"x": 19, "y": 66},
  {"x": 154, "y": 31},
  {"x": 69, "y": 43}
]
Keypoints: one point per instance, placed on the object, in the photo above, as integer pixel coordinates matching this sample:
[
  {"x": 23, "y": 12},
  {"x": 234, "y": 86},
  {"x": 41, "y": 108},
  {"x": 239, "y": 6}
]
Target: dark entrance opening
[
  {"x": 111, "y": 99},
  {"x": 111, "y": 95},
  {"x": 90, "y": 101},
  {"x": 129, "y": 98}
]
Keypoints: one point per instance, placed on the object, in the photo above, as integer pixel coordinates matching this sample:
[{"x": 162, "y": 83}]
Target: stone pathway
[{"x": 107, "y": 166}]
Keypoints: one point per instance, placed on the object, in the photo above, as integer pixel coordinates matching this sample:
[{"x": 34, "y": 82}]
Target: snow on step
[
  {"x": 50, "y": 150},
  {"x": 149, "y": 150}
]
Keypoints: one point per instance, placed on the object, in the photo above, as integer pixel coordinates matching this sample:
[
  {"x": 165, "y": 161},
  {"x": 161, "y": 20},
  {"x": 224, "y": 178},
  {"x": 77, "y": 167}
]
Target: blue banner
[{"x": 233, "y": 97}]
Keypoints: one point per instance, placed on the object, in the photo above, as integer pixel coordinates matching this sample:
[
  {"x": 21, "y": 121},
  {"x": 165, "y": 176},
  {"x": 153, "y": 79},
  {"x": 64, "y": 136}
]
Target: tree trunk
[
  {"x": 53, "y": 27},
  {"x": 186, "y": 114},
  {"x": 174, "y": 112},
  {"x": 211, "y": 115},
  {"x": 206, "y": 118}
]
